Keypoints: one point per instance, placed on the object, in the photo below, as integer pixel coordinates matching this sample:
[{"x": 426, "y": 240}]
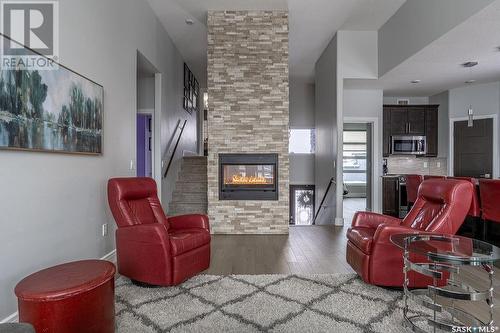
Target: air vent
[{"x": 403, "y": 101}]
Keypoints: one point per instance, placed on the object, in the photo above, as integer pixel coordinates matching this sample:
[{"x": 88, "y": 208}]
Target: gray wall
[
  {"x": 53, "y": 205},
  {"x": 364, "y": 103},
  {"x": 301, "y": 104},
  {"x": 418, "y": 23},
  {"x": 413, "y": 100},
  {"x": 146, "y": 93},
  {"x": 326, "y": 129},
  {"x": 443, "y": 100},
  {"x": 484, "y": 98},
  {"x": 302, "y": 169},
  {"x": 301, "y": 117}
]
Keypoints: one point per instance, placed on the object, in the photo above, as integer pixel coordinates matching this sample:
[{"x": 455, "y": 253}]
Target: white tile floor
[{"x": 351, "y": 206}]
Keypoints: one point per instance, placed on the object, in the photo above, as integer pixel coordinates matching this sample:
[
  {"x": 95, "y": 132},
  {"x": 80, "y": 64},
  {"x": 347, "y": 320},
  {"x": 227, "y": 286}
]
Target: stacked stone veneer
[{"x": 248, "y": 111}]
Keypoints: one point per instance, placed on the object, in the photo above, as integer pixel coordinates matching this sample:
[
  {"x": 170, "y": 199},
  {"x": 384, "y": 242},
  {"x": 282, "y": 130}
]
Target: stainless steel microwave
[{"x": 408, "y": 145}]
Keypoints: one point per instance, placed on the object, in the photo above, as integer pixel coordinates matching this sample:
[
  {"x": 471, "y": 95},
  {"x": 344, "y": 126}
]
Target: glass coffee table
[{"x": 441, "y": 257}]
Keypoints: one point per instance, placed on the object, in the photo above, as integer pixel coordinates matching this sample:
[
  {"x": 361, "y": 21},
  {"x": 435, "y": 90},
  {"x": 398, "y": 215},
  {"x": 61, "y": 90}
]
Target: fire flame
[{"x": 237, "y": 179}]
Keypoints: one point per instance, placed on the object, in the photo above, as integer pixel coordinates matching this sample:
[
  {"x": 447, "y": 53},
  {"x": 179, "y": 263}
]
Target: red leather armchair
[
  {"x": 441, "y": 207},
  {"x": 150, "y": 247}
]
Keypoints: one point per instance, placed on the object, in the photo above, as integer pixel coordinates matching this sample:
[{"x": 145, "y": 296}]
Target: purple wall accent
[{"x": 142, "y": 120}]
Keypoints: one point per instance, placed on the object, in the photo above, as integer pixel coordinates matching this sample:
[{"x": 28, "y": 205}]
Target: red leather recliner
[
  {"x": 441, "y": 207},
  {"x": 150, "y": 247}
]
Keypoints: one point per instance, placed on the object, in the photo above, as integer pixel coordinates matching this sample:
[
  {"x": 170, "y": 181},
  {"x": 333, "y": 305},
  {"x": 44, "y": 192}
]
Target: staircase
[{"x": 190, "y": 193}]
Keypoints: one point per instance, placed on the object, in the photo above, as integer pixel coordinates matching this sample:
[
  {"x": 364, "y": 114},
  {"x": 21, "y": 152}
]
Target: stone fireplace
[{"x": 248, "y": 166}]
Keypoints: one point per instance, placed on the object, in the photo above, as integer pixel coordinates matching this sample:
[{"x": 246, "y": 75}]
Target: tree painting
[{"x": 56, "y": 110}]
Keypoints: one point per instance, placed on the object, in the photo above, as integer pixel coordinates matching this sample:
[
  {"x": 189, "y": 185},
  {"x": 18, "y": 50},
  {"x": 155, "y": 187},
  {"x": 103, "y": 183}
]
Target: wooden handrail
[
  {"x": 175, "y": 147},
  {"x": 332, "y": 181}
]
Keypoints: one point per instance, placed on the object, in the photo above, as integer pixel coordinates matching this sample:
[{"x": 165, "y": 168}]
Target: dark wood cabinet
[
  {"x": 411, "y": 120},
  {"x": 416, "y": 121},
  {"x": 386, "y": 141},
  {"x": 399, "y": 122},
  {"x": 390, "y": 191},
  {"x": 431, "y": 131}
]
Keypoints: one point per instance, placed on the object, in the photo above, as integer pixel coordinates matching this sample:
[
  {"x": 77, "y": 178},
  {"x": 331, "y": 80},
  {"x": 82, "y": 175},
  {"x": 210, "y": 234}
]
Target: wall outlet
[
  {"x": 438, "y": 164},
  {"x": 104, "y": 229},
  {"x": 426, "y": 164}
]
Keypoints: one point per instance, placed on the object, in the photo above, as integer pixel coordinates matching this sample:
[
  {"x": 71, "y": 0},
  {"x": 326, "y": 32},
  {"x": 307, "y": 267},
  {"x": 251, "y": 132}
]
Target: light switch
[
  {"x": 426, "y": 164},
  {"x": 132, "y": 165},
  {"x": 438, "y": 164}
]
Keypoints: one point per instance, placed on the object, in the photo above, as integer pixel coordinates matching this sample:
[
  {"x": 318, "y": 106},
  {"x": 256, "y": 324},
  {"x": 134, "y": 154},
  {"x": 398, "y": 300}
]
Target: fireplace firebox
[{"x": 248, "y": 176}]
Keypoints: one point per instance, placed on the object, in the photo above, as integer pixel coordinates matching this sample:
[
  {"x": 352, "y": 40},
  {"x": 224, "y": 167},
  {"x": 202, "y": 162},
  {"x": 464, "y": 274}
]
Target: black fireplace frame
[{"x": 252, "y": 192}]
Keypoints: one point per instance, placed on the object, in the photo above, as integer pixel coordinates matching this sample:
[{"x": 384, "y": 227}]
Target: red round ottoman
[{"x": 72, "y": 297}]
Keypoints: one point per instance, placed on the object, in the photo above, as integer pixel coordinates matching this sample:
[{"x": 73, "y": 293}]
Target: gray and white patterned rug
[{"x": 260, "y": 303}]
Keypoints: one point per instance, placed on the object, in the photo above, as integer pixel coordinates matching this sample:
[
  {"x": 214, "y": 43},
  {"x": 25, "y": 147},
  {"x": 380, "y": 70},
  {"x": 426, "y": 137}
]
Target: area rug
[{"x": 260, "y": 303}]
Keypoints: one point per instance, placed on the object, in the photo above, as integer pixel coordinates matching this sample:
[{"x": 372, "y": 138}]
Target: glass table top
[{"x": 448, "y": 248}]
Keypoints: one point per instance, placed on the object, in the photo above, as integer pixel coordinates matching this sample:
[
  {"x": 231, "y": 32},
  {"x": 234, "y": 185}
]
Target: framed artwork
[
  {"x": 50, "y": 110},
  {"x": 191, "y": 91}
]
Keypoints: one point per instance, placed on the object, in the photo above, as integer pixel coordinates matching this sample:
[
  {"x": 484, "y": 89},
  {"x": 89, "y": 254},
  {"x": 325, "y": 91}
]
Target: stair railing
[
  {"x": 179, "y": 130},
  {"x": 321, "y": 205}
]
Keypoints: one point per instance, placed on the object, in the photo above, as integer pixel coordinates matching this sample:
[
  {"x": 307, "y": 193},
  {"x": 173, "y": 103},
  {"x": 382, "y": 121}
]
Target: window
[
  {"x": 302, "y": 141},
  {"x": 354, "y": 157}
]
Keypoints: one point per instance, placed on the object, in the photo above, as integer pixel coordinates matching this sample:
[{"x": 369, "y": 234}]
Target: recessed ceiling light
[
  {"x": 189, "y": 21},
  {"x": 470, "y": 81},
  {"x": 415, "y": 81},
  {"x": 469, "y": 64}
]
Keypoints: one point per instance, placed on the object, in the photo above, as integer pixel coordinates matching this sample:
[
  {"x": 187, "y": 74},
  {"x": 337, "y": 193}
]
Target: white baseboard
[
  {"x": 111, "y": 256},
  {"x": 14, "y": 318}
]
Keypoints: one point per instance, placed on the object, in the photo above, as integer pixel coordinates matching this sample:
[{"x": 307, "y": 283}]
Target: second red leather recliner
[
  {"x": 150, "y": 247},
  {"x": 441, "y": 207}
]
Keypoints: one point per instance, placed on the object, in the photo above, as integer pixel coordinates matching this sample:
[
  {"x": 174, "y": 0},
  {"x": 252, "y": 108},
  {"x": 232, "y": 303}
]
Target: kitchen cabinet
[
  {"x": 394, "y": 197},
  {"x": 390, "y": 193},
  {"x": 416, "y": 120},
  {"x": 412, "y": 120},
  {"x": 431, "y": 131}
]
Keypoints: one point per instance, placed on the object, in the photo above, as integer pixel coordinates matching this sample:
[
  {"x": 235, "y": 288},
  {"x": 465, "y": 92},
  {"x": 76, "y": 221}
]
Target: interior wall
[
  {"x": 145, "y": 93},
  {"x": 413, "y": 100},
  {"x": 366, "y": 104},
  {"x": 301, "y": 104},
  {"x": 326, "y": 130},
  {"x": 358, "y": 54},
  {"x": 404, "y": 34},
  {"x": 484, "y": 99},
  {"x": 443, "y": 100},
  {"x": 357, "y": 59},
  {"x": 301, "y": 117},
  {"x": 53, "y": 205}
]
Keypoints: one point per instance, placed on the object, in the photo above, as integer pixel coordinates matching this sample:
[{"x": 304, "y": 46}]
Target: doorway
[
  {"x": 147, "y": 128},
  {"x": 302, "y": 204},
  {"x": 357, "y": 168},
  {"x": 144, "y": 145},
  {"x": 474, "y": 149}
]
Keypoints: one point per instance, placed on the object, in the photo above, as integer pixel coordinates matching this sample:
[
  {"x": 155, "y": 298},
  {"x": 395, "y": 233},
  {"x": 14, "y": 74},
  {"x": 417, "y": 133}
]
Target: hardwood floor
[
  {"x": 306, "y": 250},
  {"x": 311, "y": 250}
]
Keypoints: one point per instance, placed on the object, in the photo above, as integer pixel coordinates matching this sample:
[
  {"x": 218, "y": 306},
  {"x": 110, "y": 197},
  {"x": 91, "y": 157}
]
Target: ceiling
[
  {"x": 312, "y": 25},
  {"x": 438, "y": 65}
]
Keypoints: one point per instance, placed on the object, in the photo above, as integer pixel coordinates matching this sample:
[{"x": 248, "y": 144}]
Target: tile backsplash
[{"x": 420, "y": 165}]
